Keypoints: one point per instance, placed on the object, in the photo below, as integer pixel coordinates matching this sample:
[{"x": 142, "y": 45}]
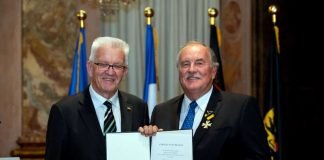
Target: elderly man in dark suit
[
  {"x": 77, "y": 124},
  {"x": 226, "y": 126}
]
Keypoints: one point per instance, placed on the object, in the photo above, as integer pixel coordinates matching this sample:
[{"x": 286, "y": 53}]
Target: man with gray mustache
[{"x": 225, "y": 125}]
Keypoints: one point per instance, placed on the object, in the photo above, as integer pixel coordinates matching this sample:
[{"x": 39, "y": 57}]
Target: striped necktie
[
  {"x": 188, "y": 122},
  {"x": 109, "y": 122}
]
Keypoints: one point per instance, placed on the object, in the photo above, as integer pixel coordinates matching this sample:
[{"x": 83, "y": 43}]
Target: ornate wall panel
[
  {"x": 49, "y": 34},
  {"x": 236, "y": 45}
]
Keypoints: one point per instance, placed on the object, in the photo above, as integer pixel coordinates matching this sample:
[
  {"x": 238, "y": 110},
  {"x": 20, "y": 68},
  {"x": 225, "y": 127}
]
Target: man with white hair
[{"x": 77, "y": 124}]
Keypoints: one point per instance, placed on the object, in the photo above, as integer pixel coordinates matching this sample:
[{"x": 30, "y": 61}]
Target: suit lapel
[
  {"x": 89, "y": 117},
  {"x": 171, "y": 120},
  {"x": 126, "y": 111},
  {"x": 209, "y": 116},
  {"x": 177, "y": 106}
]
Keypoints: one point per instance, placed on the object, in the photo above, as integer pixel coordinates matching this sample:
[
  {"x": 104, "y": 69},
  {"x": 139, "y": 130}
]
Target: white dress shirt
[
  {"x": 199, "y": 111},
  {"x": 100, "y": 108}
]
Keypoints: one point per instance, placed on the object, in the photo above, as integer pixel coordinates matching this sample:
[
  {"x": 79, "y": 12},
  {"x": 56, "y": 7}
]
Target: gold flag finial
[
  {"x": 273, "y": 9},
  {"x": 82, "y": 15},
  {"x": 212, "y": 13},
  {"x": 148, "y": 13}
]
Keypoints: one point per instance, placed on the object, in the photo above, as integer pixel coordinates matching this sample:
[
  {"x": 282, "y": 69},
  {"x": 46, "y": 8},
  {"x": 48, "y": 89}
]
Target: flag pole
[
  {"x": 272, "y": 119},
  {"x": 150, "y": 84},
  {"x": 148, "y": 13},
  {"x": 82, "y": 15},
  {"x": 212, "y": 13},
  {"x": 218, "y": 81},
  {"x": 79, "y": 76},
  {"x": 273, "y": 9}
]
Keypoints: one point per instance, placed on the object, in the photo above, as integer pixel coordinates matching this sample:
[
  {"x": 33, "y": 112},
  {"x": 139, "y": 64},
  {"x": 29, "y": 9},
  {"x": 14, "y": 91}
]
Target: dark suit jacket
[
  {"x": 236, "y": 131},
  {"x": 74, "y": 132}
]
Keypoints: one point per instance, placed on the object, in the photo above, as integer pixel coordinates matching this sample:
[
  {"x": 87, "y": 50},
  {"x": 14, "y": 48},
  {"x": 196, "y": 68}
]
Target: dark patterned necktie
[
  {"x": 109, "y": 123},
  {"x": 188, "y": 122}
]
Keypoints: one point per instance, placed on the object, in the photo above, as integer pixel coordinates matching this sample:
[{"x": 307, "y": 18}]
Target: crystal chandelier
[{"x": 109, "y": 7}]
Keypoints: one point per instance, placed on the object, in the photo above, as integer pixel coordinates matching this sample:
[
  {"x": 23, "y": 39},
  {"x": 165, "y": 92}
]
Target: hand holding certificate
[{"x": 166, "y": 145}]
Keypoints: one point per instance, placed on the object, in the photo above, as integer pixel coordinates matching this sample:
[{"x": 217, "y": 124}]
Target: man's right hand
[{"x": 149, "y": 130}]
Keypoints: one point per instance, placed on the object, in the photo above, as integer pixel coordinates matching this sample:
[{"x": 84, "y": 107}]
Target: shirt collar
[
  {"x": 201, "y": 101},
  {"x": 98, "y": 100}
]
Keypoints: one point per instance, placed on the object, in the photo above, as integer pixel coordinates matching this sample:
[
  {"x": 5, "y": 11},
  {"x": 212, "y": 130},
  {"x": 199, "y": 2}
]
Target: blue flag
[
  {"x": 79, "y": 79},
  {"x": 150, "y": 87}
]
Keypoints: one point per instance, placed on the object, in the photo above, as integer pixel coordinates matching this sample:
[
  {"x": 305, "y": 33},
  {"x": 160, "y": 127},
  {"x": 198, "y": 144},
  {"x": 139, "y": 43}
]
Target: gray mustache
[{"x": 188, "y": 76}]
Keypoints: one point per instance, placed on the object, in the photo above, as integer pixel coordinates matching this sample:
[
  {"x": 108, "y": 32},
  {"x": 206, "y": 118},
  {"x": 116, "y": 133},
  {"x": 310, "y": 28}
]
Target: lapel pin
[
  {"x": 206, "y": 124},
  {"x": 208, "y": 117},
  {"x": 129, "y": 108}
]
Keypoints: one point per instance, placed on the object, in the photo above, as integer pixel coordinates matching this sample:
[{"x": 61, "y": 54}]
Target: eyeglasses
[{"x": 104, "y": 66}]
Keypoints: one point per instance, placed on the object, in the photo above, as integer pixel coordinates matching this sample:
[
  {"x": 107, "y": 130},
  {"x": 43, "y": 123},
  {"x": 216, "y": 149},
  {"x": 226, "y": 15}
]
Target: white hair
[
  {"x": 109, "y": 41},
  {"x": 213, "y": 58}
]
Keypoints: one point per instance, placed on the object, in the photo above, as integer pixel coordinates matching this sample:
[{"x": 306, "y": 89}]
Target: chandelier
[{"x": 109, "y": 7}]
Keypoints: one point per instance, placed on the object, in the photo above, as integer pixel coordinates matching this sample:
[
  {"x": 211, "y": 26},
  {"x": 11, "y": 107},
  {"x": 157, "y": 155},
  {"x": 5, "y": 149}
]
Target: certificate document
[
  {"x": 172, "y": 145},
  {"x": 127, "y": 146},
  {"x": 166, "y": 145}
]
